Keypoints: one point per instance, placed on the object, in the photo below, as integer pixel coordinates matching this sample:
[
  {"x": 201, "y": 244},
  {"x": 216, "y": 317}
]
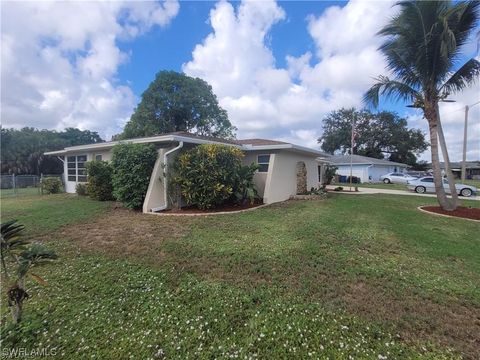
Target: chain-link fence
[{"x": 22, "y": 185}]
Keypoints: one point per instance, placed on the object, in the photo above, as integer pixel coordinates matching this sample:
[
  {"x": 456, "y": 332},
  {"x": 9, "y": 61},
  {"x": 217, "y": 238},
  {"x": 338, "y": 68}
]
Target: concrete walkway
[{"x": 364, "y": 191}]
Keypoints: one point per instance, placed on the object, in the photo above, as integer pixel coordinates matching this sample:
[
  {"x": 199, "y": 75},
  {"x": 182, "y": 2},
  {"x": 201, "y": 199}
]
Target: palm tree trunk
[
  {"x": 446, "y": 159},
  {"x": 437, "y": 174}
]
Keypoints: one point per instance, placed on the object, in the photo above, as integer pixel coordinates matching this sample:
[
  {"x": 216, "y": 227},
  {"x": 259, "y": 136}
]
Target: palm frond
[
  {"x": 35, "y": 255},
  {"x": 393, "y": 89},
  {"x": 399, "y": 63},
  {"x": 463, "y": 77}
]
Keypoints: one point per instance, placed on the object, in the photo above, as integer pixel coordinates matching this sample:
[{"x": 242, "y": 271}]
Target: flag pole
[{"x": 351, "y": 149}]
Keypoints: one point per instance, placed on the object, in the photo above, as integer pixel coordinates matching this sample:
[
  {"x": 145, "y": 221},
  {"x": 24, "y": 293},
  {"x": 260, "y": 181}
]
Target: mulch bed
[
  {"x": 220, "y": 208},
  {"x": 461, "y": 212}
]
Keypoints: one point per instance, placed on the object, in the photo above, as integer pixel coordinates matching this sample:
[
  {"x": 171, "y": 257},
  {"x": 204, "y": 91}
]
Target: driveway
[{"x": 362, "y": 190}]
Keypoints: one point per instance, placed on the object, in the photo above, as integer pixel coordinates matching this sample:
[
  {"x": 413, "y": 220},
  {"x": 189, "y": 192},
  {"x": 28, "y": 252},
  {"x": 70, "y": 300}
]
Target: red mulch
[
  {"x": 220, "y": 208},
  {"x": 462, "y": 212}
]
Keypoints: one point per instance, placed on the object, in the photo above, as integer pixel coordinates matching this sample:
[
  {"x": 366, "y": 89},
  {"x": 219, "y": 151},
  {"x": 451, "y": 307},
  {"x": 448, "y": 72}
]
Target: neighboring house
[
  {"x": 276, "y": 179},
  {"x": 472, "y": 169},
  {"x": 366, "y": 168}
]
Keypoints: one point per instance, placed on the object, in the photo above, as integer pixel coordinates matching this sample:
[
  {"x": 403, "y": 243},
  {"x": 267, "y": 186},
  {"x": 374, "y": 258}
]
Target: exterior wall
[
  {"x": 70, "y": 186},
  {"x": 360, "y": 171},
  {"x": 260, "y": 178},
  {"x": 368, "y": 173},
  {"x": 280, "y": 182}
]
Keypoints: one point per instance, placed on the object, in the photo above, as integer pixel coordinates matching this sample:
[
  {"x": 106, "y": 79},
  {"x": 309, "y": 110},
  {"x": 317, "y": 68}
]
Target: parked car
[
  {"x": 396, "y": 178},
  {"x": 426, "y": 185}
]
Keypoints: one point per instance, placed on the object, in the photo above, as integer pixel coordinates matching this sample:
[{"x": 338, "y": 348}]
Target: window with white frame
[
  {"x": 98, "y": 157},
  {"x": 263, "y": 161},
  {"x": 76, "y": 168}
]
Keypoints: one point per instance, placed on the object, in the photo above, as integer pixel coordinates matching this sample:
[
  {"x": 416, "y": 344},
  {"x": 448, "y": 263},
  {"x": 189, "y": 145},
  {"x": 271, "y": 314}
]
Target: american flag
[{"x": 354, "y": 134}]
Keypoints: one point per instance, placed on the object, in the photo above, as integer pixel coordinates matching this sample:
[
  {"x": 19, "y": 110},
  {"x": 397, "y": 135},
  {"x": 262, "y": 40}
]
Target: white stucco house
[
  {"x": 366, "y": 168},
  {"x": 276, "y": 179}
]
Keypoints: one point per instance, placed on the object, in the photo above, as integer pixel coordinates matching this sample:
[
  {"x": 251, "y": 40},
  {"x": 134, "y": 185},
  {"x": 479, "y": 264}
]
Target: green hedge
[
  {"x": 132, "y": 167},
  {"x": 99, "y": 185},
  {"x": 210, "y": 174},
  {"x": 52, "y": 185}
]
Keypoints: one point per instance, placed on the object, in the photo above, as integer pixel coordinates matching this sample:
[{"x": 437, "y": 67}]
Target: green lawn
[
  {"x": 377, "y": 186},
  {"x": 6, "y": 193},
  {"x": 475, "y": 183},
  {"x": 363, "y": 276}
]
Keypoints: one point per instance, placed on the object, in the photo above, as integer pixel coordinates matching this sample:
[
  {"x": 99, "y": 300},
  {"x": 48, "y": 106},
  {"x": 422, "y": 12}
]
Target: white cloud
[
  {"x": 453, "y": 119},
  {"x": 265, "y": 100},
  {"x": 60, "y": 59}
]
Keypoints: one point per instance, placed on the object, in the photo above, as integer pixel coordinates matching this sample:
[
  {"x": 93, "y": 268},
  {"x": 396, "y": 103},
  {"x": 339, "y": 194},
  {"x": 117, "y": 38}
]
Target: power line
[{"x": 478, "y": 102}]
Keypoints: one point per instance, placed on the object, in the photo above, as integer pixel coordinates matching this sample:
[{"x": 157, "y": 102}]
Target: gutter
[{"x": 165, "y": 182}]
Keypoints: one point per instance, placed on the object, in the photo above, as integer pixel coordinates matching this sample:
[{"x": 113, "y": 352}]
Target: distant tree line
[
  {"x": 378, "y": 135},
  {"x": 22, "y": 149}
]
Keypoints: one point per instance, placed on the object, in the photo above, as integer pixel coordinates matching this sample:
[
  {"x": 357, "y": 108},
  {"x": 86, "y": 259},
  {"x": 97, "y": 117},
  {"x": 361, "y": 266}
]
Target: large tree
[
  {"x": 380, "y": 135},
  {"x": 423, "y": 48},
  {"x": 22, "y": 149},
  {"x": 177, "y": 102}
]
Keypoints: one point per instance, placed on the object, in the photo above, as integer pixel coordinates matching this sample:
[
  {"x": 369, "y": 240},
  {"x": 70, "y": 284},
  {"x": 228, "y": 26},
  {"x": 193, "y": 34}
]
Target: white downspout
[{"x": 165, "y": 162}]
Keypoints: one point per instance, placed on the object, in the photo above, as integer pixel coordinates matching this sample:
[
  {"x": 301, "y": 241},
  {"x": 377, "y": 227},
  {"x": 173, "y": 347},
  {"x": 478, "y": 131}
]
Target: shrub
[
  {"x": 51, "y": 185},
  {"x": 330, "y": 171},
  {"x": 338, "y": 188},
  {"x": 244, "y": 188},
  {"x": 81, "y": 189},
  {"x": 316, "y": 191},
  {"x": 132, "y": 166},
  {"x": 209, "y": 174},
  {"x": 99, "y": 186}
]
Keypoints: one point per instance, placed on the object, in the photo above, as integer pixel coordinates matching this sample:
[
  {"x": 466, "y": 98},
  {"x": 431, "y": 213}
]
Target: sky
[{"x": 278, "y": 68}]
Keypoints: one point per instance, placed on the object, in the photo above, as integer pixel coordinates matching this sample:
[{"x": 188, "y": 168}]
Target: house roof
[
  {"x": 361, "y": 160},
  {"x": 458, "y": 165},
  {"x": 245, "y": 144},
  {"x": 259, "y": 142}
]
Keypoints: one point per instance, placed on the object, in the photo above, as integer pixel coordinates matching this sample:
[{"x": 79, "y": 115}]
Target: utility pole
[
  {"x": 351, "y": 151},
  {"x": 464, "y": 165}
]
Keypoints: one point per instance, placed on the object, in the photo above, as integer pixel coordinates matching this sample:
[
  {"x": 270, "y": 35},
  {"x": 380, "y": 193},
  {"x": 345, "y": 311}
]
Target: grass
[
  {"x": 43, "y": 213},
  {"x": 295, "y": 280},
  {"x": 377, "y": 186},
  {"x": 475, "y": 183},
  {"x": 30, "y": 191}
]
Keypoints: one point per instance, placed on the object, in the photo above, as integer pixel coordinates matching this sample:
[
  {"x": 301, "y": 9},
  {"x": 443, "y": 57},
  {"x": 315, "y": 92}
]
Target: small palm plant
[
  {"x": 25, "y": 256},
  {"x": 422, "y": 48}
]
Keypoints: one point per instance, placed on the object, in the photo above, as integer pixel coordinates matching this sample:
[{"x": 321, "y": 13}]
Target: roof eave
[
  {"x": 247, "y": 147},
  {"x": 146, "y": 140},
  {"x": 391, "y": 164}
]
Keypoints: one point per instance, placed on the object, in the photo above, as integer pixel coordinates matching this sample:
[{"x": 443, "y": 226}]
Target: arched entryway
[{"x": 301, "y": 178}]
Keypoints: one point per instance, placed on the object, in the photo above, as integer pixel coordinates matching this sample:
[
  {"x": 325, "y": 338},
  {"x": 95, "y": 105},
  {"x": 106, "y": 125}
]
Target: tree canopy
[
  {"x": 177, "y": 102},
  {"x": 379, "y": 135},
  {"x": 22, "y": 149}
]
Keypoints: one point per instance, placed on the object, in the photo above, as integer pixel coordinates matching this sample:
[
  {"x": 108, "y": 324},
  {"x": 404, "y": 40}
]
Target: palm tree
[
  {"x": 422, "y": 49},
  {"x": 25, "y": 256}
]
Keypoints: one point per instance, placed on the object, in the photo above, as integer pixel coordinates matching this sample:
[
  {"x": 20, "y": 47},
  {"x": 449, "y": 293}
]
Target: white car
[
  {"x": 396, "y": 178},
  {"x": 426, "y": 185}
]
